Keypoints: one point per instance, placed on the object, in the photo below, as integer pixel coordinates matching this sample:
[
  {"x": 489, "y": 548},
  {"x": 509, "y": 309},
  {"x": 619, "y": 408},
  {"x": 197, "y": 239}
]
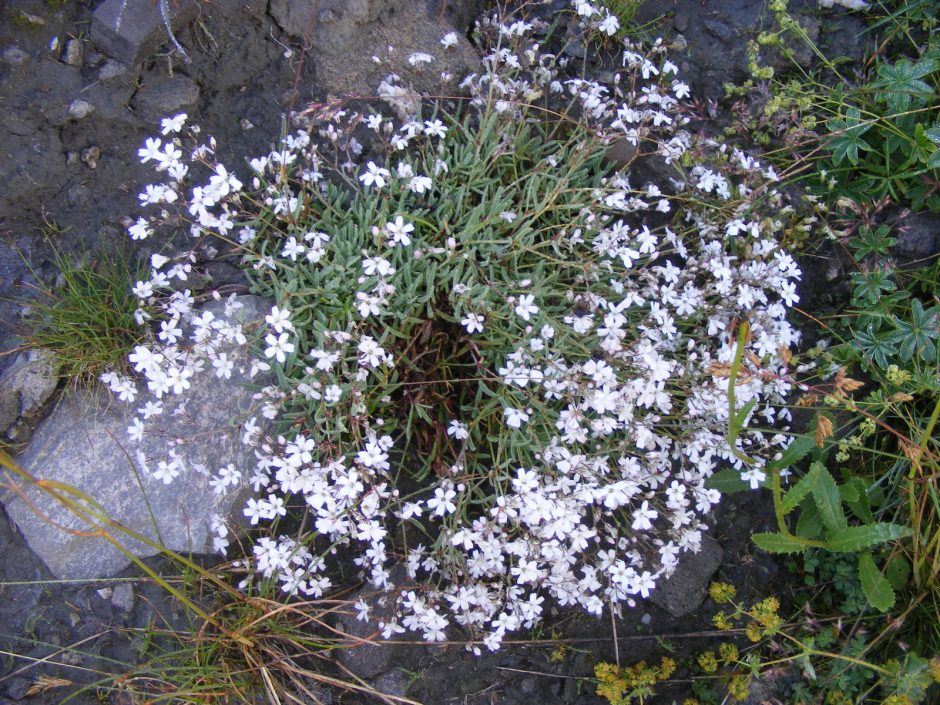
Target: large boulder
[{"x": 84, "y": 444}]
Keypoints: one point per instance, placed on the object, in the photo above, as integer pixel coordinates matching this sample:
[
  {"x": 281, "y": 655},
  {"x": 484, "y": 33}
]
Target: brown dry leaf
[
  {"x": 846, "y": 384},
  {"x": 900, "y": 396},
  {"x": 785, "y": 354},
  {"x": 807, "y": 400},
  {"x": 44, "y": 684},
  {"x": 719, "y": 369},
  {"x": 823, "y": 429}
]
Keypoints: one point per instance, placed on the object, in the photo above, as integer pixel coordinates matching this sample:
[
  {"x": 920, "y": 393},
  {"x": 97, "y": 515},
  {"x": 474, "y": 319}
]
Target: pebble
[
  {"x": 111, "y": 69},
  {"x": 122, "y": 597},
  {"x": 646, "y": 619},
  {"x": 14, "y": 56},
  {"x": 91, "y": 156},
  {"x": 80, "y": 109},
  {"x": 73, "y": 53}
]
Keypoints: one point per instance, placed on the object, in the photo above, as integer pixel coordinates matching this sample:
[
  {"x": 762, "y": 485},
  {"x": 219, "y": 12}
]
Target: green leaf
[
  {"x": 859, "y": 504},
  {"x": 933, "y": 134},
  {"x": 798, "y": 449},
  {"x": 727, "y": 481},
  {"x": 791, "y": 500},
  {"x": 934, "y": 161},
  {"x": 809, "y": 525},
  {"x": 898, "y": 571},
  {"x": 826, "y": 495},
  {"x": 778, "y": 543},
  {"x": 877, "y": 589},
  {"x": 856, "y": 538}
]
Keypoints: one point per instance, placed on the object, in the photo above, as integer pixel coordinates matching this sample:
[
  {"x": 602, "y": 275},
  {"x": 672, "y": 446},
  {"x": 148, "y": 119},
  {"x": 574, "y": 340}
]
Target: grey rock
[
  {"x": 392, "y": 682},
  {"x": 73, "y": 53},
  {"x": 368, "y": 655},
  {"x": 683, "y": 591},
  {"x": 23, "y": 577},
  {"x": 131, "y": 30},
  {"x": 14, "y": 56},
  {"x": 621, "y": 153},
  {"x": 80, "y": 109},
  {"x": 17, "y": 687},
  {"x": 9, "y": 408},
  {"x": 122, "y": 597},
  {"x": 719, "y": 29},
  {"x": 31, "y": 380},
  {"x": 918, "y": 237},
  {"x": 84, "y": 444},
  {"x": 111, "y": 69},
  {"x": 167, "y": 96}
]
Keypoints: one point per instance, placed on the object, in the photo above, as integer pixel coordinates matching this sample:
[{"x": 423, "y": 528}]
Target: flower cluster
[{"x": 504, "y": 362}]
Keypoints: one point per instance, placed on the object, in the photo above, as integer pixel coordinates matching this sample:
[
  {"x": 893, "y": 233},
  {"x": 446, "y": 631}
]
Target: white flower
[
  {"x": 435, "y": 128},
  {"x": 458, "y": 430},
  {"x": 278, "y": 347},
  {"x": 643, "y": 517},
  {"x": 150, "y": 150},
  {"x": 374, "y": 175},
  {"x": 223, "y": 366},
  {"x": 525, "y": 308},
  {"x": 440, "y": 504},
  {"x": 515, "y": 417},
  {"x": 473, "y": 322},
  {"x": 400, "y": 231},
  {"x": 449, "y": 40},
  {"x": 754, "y": 476},
  {"x": 420, "y": 57},
  {"x": 279, "y": 319},
  {"x": 172, "y": 124},
  {"x": 609, "y": 26},
  {"x": 139, "y": 230}
]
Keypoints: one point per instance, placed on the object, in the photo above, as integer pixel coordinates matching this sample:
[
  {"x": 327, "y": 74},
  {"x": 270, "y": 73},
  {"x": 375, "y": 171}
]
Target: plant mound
[{"x": 503, "y": 361}]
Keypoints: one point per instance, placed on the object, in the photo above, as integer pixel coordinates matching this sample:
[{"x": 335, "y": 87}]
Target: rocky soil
[{"x": 82, "y": 83}]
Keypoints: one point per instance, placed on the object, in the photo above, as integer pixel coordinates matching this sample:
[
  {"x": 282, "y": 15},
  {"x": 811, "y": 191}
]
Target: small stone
[
  {"x": 73, "y": 53},
  {"x": 14, "y": 56},
  {"x": 123, "y": 597},
  {"x": 575, "y": 49},
  {"x": 646, "y": 619},
  {"x": 918, "y": 238},
  {"x": 246, "y": 124},
  {"x": 683, "y": 591},
  {"x": 155, "y": 100},
  {"x": 91, "y": 156},
  {"x": 32, "y": 377},
  {"x": 111, "y": 69},
  {"x": 719, "y": 29},
  {"x": 80, "y": 109},
  {"x": 131, "y": 30},
  {"x": 391, "y": 683},
  {"x": 680, "y": 21},
  {"x": 34, "y": 20},
  {"x": 105, "y": 593},
  {"x": 621, "y": 153}
]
